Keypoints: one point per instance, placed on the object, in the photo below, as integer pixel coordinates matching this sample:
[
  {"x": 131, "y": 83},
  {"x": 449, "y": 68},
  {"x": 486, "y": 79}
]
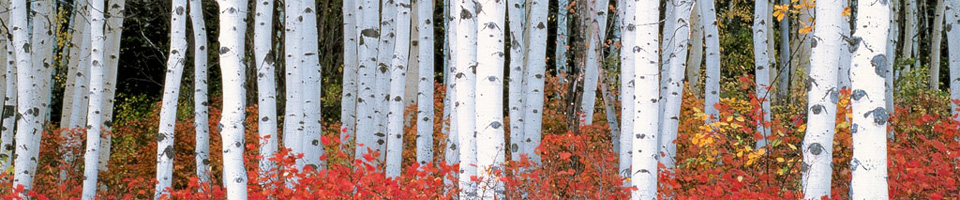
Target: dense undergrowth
[{"x": 714, "y": 161}]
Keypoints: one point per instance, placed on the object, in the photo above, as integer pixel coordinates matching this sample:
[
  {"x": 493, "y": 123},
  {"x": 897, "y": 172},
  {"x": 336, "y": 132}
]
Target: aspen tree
[
  {"x": 464, "y": 71},
  {"x": 869, "y": 161},
  {"x": 398, "y": 76},
  {"x": 200, "y": 111},
  {"x": 489, "y": 91},
  {"x": 711, "y": 38},
  {"x": 534, "y": 79},
  {"x": 823, "y": 96},
  {"x": 369, "y": 24},
  {"x": 644, "y": 161},
  {"x": 516, "y": 10},
  {"x": 232, "y": 36},
  {"x": 675, "y": 61},
  {"x": 762, "y": 62},
  {"x": 171, "y": 91},
  {"x": 265, "y": 58},
  {"x": 425, "y": 82}
]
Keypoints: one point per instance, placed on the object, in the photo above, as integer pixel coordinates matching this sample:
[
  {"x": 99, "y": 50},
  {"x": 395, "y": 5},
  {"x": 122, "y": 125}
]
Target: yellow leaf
[
  {"x": 792, "y": 147},
  {"x": 846, "y": 12},
  {"x": 780, "y": 159}
]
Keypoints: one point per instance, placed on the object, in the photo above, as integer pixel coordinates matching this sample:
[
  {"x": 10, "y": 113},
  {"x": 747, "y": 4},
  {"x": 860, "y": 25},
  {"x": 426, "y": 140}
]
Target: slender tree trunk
[
  {"x": 368, "y": 43},
  {"x": 114, "y": 29},
  {"x": 645, "y": 129},
  {"x": 627, "y": 86},
  {"x": 387, "y": 45},
  {"x": 293, "y": 122},
  {"x": 533, "y": 89},
  {"x": 610, "y": 109},
  {"x": 935, "y": 42},
  {"x": 200, "y": 101},
  {"x": 451, "y": 150},
  {"x": 232, "y": 37},
  {"x": 844, "y": 72},
  {"x": 348, "y": 101},
  {"x": 712, "y": 72},
  {"x": 762, "y": 62},
  {"x": 562, "y": 30},
  {"x": 398, "y": 79},
  {"x": 597, "y": 35},
  {"x": 672, "y": 92},
  {"x": 785, "y": 70},
  {"x": 425, "y": 84},
  {"x": 171, "y": 91},
  {"x": 869, "y": 165},
  {"x": 94, "y": 113},
  {"x": 892, "y": 37},
  {"x": 823, "y": 97},
  {"x": 695, "y": 60},
  {"x": 911, "y": 35},
  {"x": 77, "y": 111},
  {"x": 265, "y": 58},
  {"x": 516, "y": 10},
  {"x": 311, "y": 86},
  {"x": 466, "y": 63},
  {"x": 490, "y": 60},
  {"x": 41, "y": 14},
  {"x": 953, "y": 44},
  {"x": 9, "y": 106},
  {"x": 28, "y": 119}
]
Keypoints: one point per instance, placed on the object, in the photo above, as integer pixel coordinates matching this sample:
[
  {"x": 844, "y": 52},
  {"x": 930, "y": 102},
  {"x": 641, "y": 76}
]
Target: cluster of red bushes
[{"x": 715, "y": 160}]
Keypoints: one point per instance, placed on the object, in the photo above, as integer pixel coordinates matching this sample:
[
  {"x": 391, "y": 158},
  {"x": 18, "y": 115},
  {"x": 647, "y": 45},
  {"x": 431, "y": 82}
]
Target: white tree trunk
[
  {"x": 466, "y": 63},
  {"x": 823, "y": 95},
  {"x": 596, "y": 38},
  {"x": 9, "y": 106},
  {"x": 28, "y": 111},
  {"x": 645, "y": 128},
  {"x": 562, "y": 29},
  {"x": 265, "y": 58},
  {"x": 232, "y": 36},
  {"x": 695, "y": 60},
  {"x": 201, "y": 119},
  {"x": 516, "y": 10},
  {"x": 94, "y": 113},
  {"x": 711, "y": 37},
  {"x": 953, "y": 44},
  {"x": 935, "y": 46},
  {"x": 311, "y": 87},
  {"x": 425, "y": 83},
  {"x": 672, "y": 92},
  {"x": 783, "y": 85},
  {"x": 610, "y": 109},
  {"x": 451, "y": 150},
  {"x": 762, "y": 62},
  {"x": 388, "y": 30},
  {"x": 114, "y": 29},
  {"x": 369, "y": 25},
  {"x": 911, "y": 36},
  {"x": 869, "y": 162},
  {"x": 489, "y": 131},
  {"x": 78, "y": 103},
  {"x": 628, "y": 52},
  {"x": 171, "y": 92},
  {"x": 844, "y": 72},
  {"x": 348, "y": 100},
  {"x": 398, "y": 77},
  {"x": 534, "y": 79},
  {"x": 293, "y": 122}
]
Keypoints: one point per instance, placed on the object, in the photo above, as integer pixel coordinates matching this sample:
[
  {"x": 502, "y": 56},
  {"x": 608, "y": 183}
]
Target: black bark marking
[{"x": 815, "y": 148}]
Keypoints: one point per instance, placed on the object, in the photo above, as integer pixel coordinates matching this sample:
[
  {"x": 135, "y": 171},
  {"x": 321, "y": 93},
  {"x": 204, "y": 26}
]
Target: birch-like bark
[
  {"x": 762, "y": 62},
  {"x": 387, "y": 41},
  {"x": 672, "y": 92},
  {"x": 369, "y": 24},
  {"x": 695, "y": 60},
  {"x": 94, "y": 113},
  {"x": 171, "y": 92},
  {"x": 935, "y": 41},
  {"x": 952, "y": 15},
  {"x": 265, "y": 58},
  {"x": 869, "y": 162},
  {"x": 844, "y": 72},
  {"x": 711, "y": 37},
  {"x": 348, "y": 100},
  {"x": 311, "y": 86},
  {"x": 425, "y": 83},
  {"x": 627, "y": 84},
  {"x": 451, "y": 149},
  {"x": 28, "y": 109},
  {"x": 911, "y": 34},
  {"x": 200, "y": 101},
  {"x": 823, "y": 95},
  {"x": 9, "y": 105},
  {"x": 232, "y": 36},
  {"x": 534, "y": 77},
  {"x": 597, "y": 35},
  {"x": 645, "y": 129},
  {"x": 610, "y": 109},
  {"x": 78, "y": 110},
  {"x": 114, "y": 29},
  {"x": 783, "y": 85},
  {"x": 293, "y": 123},
  {"x": 562, "y": 29},
  {"x": 465, "y": 106},
  {"x": 489, "y": 117},
  {"x": 398, "y": 77},
  {"x": 516, "y": 10},
  {"x": 893, "y": 37}
]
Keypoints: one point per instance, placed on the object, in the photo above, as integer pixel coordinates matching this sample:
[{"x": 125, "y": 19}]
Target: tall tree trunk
[
  {"x": 387, "y": 45},
  {"x": 369, "y": 24},
  {"x": 28, "y": 116},
  {"x": 398, "y": 77},
  {"x": 672, "y": 92},
  {"x": 94, "y": 113},
  {"x": 711, "y": 37},
  {"x": 312, "y": 115},
  {"x": 785, "y": 70},
  {"x": 425, "y": 83},
  {"x": 596, "y": 35},
  {"x": 201, "y": 117},
  {"x": 953, "y": 45},
  {"x": 844, "y": 72},
  {"x": 911, "y": 34},
  {"x": 348, "y": 101},
  {"x": 9, "y": 105},
  {"x": 265, "y": 58},
  {"x": 451, "y": 150},
  {"x": 171, "y": 92},
  {"x": 892, "y": 37},
  {"x": 490, "y": 60},
  {"x": 645, "y": 128},
  {"x": 869, "y": 165},
  {"x": 78, "y": 90},
  {"x": 610, "y": 109},
  {"x": 293, "y": 122},
  {"x": 562, "y": 30},
  {"x": 464, "y": 70},
  {"x": 935, "y": 42},
  {"x": 762, "y": 62},
  {"x": 516, "y": 10},
  {"x": 232, "y": 36},
  {"x": 627, "y": 86},
  {"x": 695, "y": 60},
  {"x": 114, "y": 29},
  {"x": 41, "y": 15},
  {"x": 534, "y": 79},
  {"x": 823, "y": 95}
]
